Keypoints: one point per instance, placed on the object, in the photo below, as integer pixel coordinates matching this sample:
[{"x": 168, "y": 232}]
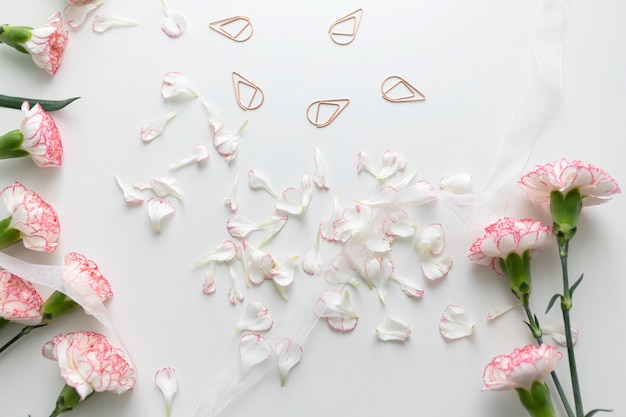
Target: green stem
[
  {"x": 25, "y": 331},
  {"x": 566, "y": 306},
  {"x": 8, "y": 235}
]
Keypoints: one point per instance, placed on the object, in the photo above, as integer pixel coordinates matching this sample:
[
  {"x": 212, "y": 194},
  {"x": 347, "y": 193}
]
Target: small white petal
[
  {"x": 224, "y": 252},
  {"x": 256, "y": 318},
  {"x": 432, "y": 239},
  {"x": 409, "y": 286},
  {"x": 227, "y": 143},
  {"x": 327, "y": 228},
  {"x": 164, "y": 186},
  {"x": 158, "y": 210},
  {"x": 214, "y": 118},
  {"x": 339, "y": 271},
  {"x": 232, "y": 200},
  {"x": 257, "y": 181},
  {"x": 377, "y": 271},
  {"x": 154, "y": 128},
  {"x": 176, "y": 84},
  {"x": 173, "y": 25},
  {"x": 234, "y": 292},
  {"x": 337, "y": 310},
  {"x": 436, "y": 267},
  {"x": 104, "y": 22},
  {"x": 289, "y": 355},
  {"x": 456, "y": 322},
  {"x": 494, "y": 314},
  {"x": 460, "y": 183},
  {"x": 320, "y": 170},
  {"x": 557, "y": 332},
  {"x": 398, "y": 223},
  {"x": 75, "y": 15},
  {"x": 391, "y": 329},
  {"x": 240, "y": 227},
  {"x": 200, "y": 153},
  {"x": 393, "y": 162},
  {"x": 312, "y": 261},
  {"x": 129, "y": 195},
  {"x": 209, "y": 279},
  {"x": 253, "y": 350},
  {"x": 167, "y": 381}
]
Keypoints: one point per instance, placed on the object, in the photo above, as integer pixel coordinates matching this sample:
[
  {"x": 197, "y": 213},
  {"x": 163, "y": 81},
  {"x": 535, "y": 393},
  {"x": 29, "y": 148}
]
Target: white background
[{"x": 474, "y": 62}]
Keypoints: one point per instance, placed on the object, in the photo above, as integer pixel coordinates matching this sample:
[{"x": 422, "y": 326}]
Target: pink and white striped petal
[
  {"x": 337, "y": 309},
  {"x": 199, "y": 153},
  {"x": 227, "y": 143},
  {"x": 176, "y": 84},
  {"x": 296, "y": 200},
  {"x": 256, "y": 318},
  {"x": 167, "y": 381},
  {"x": 129, "y": 194},
  {"x": 320, "y": 176},
  {"x": 173, "y": 24},
  {"x": 456, "y": 322},
  {"x": 253, "y": 350},
  {"x": 103, "y": 22},
  {"x": 158, "y": 210},
  {"x": 154, "y": 128},
  {"x": 393, "y": 330},
  {"x": 289, "y": 355},
  {"x": 209, "y": 287}
]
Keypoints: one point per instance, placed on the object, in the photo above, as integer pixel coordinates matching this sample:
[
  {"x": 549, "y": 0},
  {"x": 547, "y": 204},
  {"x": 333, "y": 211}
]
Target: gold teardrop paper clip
[
  {"x": 413, "y": 93},
  {"x": 336, "y": 35},
  {"x": 254, "y": 102},
  {"x": 339, "y": 104},
  {"x": 242, "y": 35}
]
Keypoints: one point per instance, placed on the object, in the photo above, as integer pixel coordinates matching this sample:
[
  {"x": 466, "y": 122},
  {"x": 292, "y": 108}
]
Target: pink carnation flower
[
  {"x": 595, "y": 185},
  {"x": 41, "y": 136},
  {"x": 36, "y": 220},
  {"x": 90, "y": 363},
  {"x": 19, "y": 301},
  {"x": 506, "y": 236},
  {"x": 521, "y": 368},
  {"x": 47, "y": 44}
]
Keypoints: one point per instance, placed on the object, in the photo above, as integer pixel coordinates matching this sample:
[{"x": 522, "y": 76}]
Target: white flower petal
[
  {"x": 257, "y": 181},
  {"x": 377, "y": 271},
  {"x": 167, "y": 381},
  {"x": 214, "y": 118},
  {"x": 343, "y": 324},
  {"x": 391, "y": 329},
  {"x": 227, "y": 143},
  {"x": 154, "y": 128},
  {"x": 173, "y": 25},
  {"x": 234, "y": 292},
  {"x": 320, "y": 170},
  {"x": 339, "y": 271},
  {"x": 224, "y": 252},
  {"x": 432, "y": 239},
  {"x": 436, "y": 267},
  {"x": 75, "y": 15},
  {"x": 327, "y": 228},
  {"x": 253, "y": 350},
  {"x": 158, "y": 210},
  {"x": 557, "y": 332},
  {"x": 398, "y": 223},
  {"x": 456, "y": 322},
  {"x": 393, "y": 162},
  {"x": 232, "y": 199},
  {"x": 164, "y": 186},
  {"x": 494, "y": 314},
  {"x": 289, "y": 355},
  {"x": 256, "y": 318},
  {"x": 337, "y": 310},
  {"x": 103, "y": 22},
  {"x": 176, "y": 84},
  {"x": 129, "y": 195},
  {"x": 409, "y": 286},
  {"x": 312, "y": 261},
  {"x": 199, "y": 153},
  {"x": 460, "y": 183},
  {"x": 209, "y": 279}
]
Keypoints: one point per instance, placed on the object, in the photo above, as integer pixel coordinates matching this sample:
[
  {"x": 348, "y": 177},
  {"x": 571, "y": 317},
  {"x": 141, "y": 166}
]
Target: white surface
[{"x": 472, "y": 60}]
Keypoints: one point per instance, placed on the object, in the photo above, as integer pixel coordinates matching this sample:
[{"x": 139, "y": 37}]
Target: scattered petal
[
  {"x": 432, "y": 240},
  {"x": 377, "y": 271},
  {"x": 176, "y": 84},
  {"x": 154, "y": 128},
  {"x": 296, "y": 200},
  {"x": 103, "y": 22},
  {"x": 224, "y": 252},
  {"x": 320, "y": 170},
  {"x": 76, "y": 14},
  {"x": 398, "y": 223},
  {"x": 312, "y": 261},
  {"x": 460, "y": 183},
  {"x": 214, "y": 118},
  {"x": 257, "y": 181},
  {"x": 232, "y": 200},
  {"x": 391, "y": 329},
  {"x": 158, "y": 210},
  {"x": 557, "y": 332},
  {"x": 227, "y": 143},
  {"x": 253, "y": 350},
  {"x": 167, "y": 381},
  {"x": 240, "y": 227},
  {"x": 339, "y": 271},
  {"x": 209, "y": 279},
  {"x": 501, "y": 311},
  {"x": 173, "y": 24},
  {"x": 200, "y": 153},
  {"x": 256, "y": 318},
  {"x": 393, "y": 162},
  {"x": 234, "y": 292},
  {"x": 337, "y": 310},
  {"x": 436, "y": 267},
  {"x": 129, "y": 195},
  {"x": 162, "y": 187},
  {"x": 289, "y": 355},
  {"x": 409, "y": 286},
  {"x": 456, "y": 323}
]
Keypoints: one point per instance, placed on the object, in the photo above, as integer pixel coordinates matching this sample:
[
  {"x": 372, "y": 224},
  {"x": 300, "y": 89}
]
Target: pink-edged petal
[
  {"x": 253, "y": 350},
  {"x": 234, "y": 291},
  {"x": 312, "y": 261},
  {"x": 494, "y": 314},
  {"x": 103, "y": 22},
  {"x": 320, "y": 176},
  {"x": 377, "y": 271},
  {"x": 343, "y": 324},
  {"x": 393, "y": 330},
  {"x": 339, "y": 271},
  {"x": 460, "y": 183},
  {"x": 409, "y": 286},
  {"x": 209, "y": 279},
  {"x": 398, "y": 223},
  {"x": 289, "y": 355},
  {"x": 257, "y": 181},
  {"x": 215, "y": 120},
  {"x": 176, "y": 84},
  {"x": 337, "y": 309},
  {"x": 75, "y": 15},
  {"x": 456, "y": 323},
  {"x": 224, "y": 252},
  {"x": 327, "y": 225},
  {"x": 129, "y": 195},
  {"x": 432, "y": 239},
  {"x": 232, "y": 201},
  {"x": 436, "y": 267},
  {"x": 256, "y": 318},
  {"x": 557, "y": 332},
  {"x": 393, "y": 163},
  {"x": 159, "y": 210},
  {"x": 154, "y": 128},
  {"x": 167, "y": 381},
  {"x": 199, "y": 153},
  {"x": 165, "y": 186},
  {"x": 227, "y": 143},
  {"x": 173, "y": 24}
]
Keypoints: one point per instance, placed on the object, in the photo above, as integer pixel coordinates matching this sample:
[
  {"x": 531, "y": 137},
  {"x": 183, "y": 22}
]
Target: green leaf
[
  {"x": 573, "y": 287},
  {"x": 597, "y": 410},
  {"x": 552, "y": 301},
  {"x": 47, "y": 105}
]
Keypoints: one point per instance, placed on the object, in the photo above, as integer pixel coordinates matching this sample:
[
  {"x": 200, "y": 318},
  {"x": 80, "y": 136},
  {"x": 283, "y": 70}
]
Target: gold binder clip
[
  {"x": 237, "y": 28},
  {"x": 245, "y": 88},
  {"x": 400, "y": 90},
  {"x": 344, "y": 30},
  {"x": 335, "y": 106}
]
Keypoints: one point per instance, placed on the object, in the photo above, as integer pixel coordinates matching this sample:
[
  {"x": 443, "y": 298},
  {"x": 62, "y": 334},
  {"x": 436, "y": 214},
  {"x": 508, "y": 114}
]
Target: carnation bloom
[
  {"x": 31, "y": 220},
  {"x": 88, "y": 363},
  {"x": 45, "y": 44},
  {"x": 19, "y": 301},
  {"x": 84, "y": 278},
  {"x": 507, "y": 247}
]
